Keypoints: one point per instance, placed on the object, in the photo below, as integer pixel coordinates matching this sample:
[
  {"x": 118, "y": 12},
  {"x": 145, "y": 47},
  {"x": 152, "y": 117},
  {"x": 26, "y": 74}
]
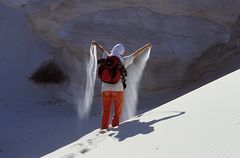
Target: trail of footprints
[{"x": 92, "y": 143}]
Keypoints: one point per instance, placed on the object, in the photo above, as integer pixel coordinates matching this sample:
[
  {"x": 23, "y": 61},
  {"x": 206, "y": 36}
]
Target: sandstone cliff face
[
  {"x": 47, "y": 16},
  {"x": 215, "y": 55},
  {"x": 235, "y": 33},
  {"x": 177, "y": 40},
  {"x": 15, "y": 3},
  {"x": 182, "y": 32}
]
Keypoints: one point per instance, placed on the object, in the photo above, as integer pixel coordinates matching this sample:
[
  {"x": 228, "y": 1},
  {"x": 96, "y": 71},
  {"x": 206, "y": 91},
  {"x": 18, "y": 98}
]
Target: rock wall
[
  {"x": 181, "y": 31},
  {"x": 48, "y": 16},
  {"x": 177, "y": 40},
  {"x": 15, "y": 3}
]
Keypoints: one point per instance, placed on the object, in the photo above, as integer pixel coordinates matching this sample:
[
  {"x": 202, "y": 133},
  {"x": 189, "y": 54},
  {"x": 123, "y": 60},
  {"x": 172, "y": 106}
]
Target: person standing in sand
[{"x": 114, "y": 93}]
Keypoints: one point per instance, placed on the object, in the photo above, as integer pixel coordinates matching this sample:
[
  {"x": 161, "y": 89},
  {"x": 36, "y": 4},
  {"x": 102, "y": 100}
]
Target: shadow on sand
[{"x": 135, "y": 127}]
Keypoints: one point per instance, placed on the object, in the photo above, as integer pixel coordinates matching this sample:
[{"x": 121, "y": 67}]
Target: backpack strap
[
  {"x": 101, "y": 61},
  {"x": 124, "y": 74}
]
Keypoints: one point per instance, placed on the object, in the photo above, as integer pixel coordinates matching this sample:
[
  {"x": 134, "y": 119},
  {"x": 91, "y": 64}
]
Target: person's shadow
[{"x": 133, "y": 128}]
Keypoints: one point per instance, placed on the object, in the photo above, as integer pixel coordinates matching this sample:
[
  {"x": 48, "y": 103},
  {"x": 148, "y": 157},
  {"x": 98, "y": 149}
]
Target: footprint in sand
[
  {"x": 92, "y": 143},
  {"x": 71, "y": 155}
]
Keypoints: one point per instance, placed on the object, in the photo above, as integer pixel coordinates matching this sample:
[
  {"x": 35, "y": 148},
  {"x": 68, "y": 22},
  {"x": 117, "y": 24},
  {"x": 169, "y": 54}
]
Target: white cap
[{"x": 118, "y": 50}]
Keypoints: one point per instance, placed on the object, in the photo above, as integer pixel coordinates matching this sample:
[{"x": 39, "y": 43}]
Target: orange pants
[{"x": 117, "y": 97}]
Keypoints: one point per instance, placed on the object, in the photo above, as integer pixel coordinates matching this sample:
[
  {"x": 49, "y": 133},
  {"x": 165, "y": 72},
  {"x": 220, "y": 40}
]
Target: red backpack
[{"x": 111, "y": 70}]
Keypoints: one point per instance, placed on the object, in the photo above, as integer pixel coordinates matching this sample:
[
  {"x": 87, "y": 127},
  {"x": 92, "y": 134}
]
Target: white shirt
[{"x": 127, "y": 60}]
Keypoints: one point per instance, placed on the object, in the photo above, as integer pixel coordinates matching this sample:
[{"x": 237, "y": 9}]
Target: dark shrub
[{"x": 48, "y": 72}]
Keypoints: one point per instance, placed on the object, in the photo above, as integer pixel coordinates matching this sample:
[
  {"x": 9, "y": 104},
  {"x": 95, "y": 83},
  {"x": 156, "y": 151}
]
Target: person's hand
[
  {"x": 141, "y": 50},
  {"x": 98, "y": 46},
  {"x": 94, "y": 42},
  {"x": 149, "y": 45}
]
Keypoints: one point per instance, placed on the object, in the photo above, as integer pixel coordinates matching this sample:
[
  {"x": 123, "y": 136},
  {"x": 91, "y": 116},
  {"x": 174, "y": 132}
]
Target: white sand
[{"x": 202, "y": 124}]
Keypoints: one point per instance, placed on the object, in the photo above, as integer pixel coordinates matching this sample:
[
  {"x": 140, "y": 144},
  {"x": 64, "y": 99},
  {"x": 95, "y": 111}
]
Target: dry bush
[{"x": 48, "y": 73}]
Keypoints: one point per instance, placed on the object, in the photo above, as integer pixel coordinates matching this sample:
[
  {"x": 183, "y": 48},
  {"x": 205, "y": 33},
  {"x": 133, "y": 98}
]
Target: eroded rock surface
[
  {"x": 48, "y": 16},
  {"x": 15, "y": 3},
  {"x": 177, "y": 40},
  {"x": 182, "y": 32}
]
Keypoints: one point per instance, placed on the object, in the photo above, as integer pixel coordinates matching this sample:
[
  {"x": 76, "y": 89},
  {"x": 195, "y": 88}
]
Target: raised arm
[
  {"x": 141, "y": 50},
  {"x": 99, "y": 46}
]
